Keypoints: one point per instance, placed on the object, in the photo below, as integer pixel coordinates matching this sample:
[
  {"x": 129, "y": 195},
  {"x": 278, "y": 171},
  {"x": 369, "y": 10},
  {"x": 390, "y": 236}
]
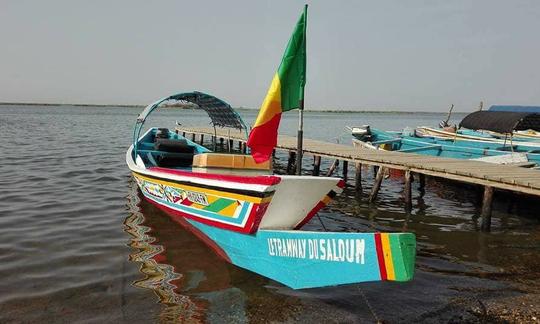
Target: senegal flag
[{"x": 285, "y": 93}]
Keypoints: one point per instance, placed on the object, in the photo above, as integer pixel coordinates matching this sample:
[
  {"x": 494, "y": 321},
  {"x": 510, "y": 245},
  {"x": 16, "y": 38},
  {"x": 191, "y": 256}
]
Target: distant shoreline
[
  {"x": 237, "y": 108},
  {"x": 64, "y": 104}
]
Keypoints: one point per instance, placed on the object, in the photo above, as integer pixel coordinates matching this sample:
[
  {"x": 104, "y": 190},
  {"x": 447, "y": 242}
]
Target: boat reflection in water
[{"x": 192, "y": 282}]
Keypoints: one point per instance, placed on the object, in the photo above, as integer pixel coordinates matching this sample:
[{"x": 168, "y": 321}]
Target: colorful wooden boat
[
  {"x": 253, "y": 218},
  {"x": 409, "y": 142},
  {"x": 250, "y": 216},
  {"x": 521, "y": 137}
]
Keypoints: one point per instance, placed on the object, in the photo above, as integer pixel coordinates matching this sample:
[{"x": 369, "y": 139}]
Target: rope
[
  {"x": 320, "y": 220},
  {"x": 375, "y": 316}
]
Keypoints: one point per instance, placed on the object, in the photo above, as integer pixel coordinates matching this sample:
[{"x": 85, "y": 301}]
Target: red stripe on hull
[
  {"x": 380, "y": 256},
  {"x": 310, "y": 215},
  {"x": 179, "y": 218},
  {"x": 320, "y": 205},
  {"x": 255, "y": 180},
  {"x": 341, "y": 184}
]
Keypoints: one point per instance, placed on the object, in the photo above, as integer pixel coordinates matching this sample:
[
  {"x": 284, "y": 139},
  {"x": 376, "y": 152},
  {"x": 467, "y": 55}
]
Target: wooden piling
[
  {"x": 407, "y": 194},
  {"x": 231, "y": 144},
  {"x": 358, "y": 177},
  {"x": 316, "y": 165},
  {"x": 421, "y": 182},
  {"x": 345, "y": 170},
  {"x": 486, "y": 209},
  {"x": 291, "y": 166},
  {"x": 244, "y": 148},
  {"x": 221, "y": 140},
  {"x": 332, "y": 168},
  {"x": 193, "y": 137},
  {"x": 377, "y": 184},
  {"x": 201, "y": 139},
  {"x": 184, "y": 134}
]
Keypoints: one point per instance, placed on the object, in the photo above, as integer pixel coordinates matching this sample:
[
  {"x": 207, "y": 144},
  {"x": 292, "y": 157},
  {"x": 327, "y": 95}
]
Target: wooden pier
[{"x": 490, "y": 176}]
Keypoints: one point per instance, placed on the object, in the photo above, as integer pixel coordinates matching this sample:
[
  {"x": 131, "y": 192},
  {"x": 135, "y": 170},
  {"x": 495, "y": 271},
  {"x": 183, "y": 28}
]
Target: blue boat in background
[
  {"x": 408, "y": 141},
  {"x": 466, "y": 143}
]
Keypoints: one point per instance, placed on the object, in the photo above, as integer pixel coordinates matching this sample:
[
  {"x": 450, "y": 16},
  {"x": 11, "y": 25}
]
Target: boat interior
[{"x": 160, "y": 147}]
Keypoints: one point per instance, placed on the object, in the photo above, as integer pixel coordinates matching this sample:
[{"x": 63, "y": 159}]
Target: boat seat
[
  {"x": 173, "y": 145},
  {"x": 229, "y": 161}
]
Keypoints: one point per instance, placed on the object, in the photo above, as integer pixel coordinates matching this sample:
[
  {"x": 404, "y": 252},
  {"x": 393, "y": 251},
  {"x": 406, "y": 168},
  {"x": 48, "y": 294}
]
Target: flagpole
[
  {"x": 299, "y": 150},
  {"x": 300, "y": 136}
]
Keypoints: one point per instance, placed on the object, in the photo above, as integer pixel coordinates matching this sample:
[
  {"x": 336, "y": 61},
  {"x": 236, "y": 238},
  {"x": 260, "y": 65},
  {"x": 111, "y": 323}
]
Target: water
[{"x": 77, "y": 243}]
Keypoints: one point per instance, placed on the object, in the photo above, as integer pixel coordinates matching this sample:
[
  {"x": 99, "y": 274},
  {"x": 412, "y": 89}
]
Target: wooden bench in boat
[{"x": 229, "y": 161}]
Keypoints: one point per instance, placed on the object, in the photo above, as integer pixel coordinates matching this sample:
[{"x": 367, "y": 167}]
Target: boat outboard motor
[{"x": 162, "y": 133}]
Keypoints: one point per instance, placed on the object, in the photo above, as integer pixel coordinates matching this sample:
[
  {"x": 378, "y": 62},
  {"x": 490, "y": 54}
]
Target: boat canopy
[
  {"x": 501, "y": 121},
  {"x": 220, "y": 112},
  {"x": 529, "y": 109}
]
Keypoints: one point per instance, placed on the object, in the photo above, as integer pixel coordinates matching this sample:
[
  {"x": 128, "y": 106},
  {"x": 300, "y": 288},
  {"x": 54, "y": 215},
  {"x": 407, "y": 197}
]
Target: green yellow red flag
[{"x": 286, "y": 93}]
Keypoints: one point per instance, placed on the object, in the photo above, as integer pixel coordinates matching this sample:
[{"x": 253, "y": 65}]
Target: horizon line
[{"x": 239, "y": 108}]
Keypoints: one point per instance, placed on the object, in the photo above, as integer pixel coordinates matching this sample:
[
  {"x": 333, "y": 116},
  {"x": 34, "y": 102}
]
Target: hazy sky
[{"x": 382, "y": 55}]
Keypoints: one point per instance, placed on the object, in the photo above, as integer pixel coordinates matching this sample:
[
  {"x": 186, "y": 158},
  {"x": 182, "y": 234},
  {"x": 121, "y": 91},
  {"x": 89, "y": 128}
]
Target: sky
[{"x": 362, "y": 55}]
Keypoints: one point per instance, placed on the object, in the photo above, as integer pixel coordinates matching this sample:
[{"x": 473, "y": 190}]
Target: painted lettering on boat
[
  {"x": 339, "y": 250},
  {"x": 197, "y": 197}
]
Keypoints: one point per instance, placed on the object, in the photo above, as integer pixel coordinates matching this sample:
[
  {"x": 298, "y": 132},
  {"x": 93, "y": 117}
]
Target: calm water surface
[{"x": 77, "y": 243}]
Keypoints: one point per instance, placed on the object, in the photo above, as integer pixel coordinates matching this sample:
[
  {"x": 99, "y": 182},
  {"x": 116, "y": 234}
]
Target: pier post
[
  {"x": 184, "y": 134},
  {"x": 345, "y": 170},
  {"x": 316, "y": 165},
  {"x": 201, "y": 139},
  {"x": 231, "y": 144},
  {"x": 291, "y": 162},
  {"x": 244, "y": 148},
  {"x": 358, "y": 177},
  {"x": 221, "y": 140},
  {"x": 422, "y": 182},
  {"x": 193, "y": 137},
  {"x": 377, "y": 184},
  {"x": 407, "y": 190},
  {"x": 332, "y": 168},
  {"x": 486, "y": 209}
]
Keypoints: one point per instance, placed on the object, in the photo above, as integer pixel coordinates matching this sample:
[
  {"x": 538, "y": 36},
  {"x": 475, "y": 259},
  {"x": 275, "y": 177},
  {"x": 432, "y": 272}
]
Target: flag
[{"x": 285, "y": 93}]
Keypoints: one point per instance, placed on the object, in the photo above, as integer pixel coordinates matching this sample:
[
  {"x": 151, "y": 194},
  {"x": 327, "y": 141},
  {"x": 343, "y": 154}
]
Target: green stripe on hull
[
  {"x": 219, "y": 204},
  {"x": 403, "y": 246}
]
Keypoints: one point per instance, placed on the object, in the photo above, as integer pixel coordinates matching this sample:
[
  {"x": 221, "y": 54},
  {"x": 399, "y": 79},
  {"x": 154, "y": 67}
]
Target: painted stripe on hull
[
  {"x": 380, "y": 256},
  {"x": 214, "y": 189},
  {"x": 245, "y": 218},
  {"x": 257, "y": 180}
]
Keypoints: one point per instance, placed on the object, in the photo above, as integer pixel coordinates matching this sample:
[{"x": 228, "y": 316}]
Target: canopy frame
[{"x": 221, "y": 113}]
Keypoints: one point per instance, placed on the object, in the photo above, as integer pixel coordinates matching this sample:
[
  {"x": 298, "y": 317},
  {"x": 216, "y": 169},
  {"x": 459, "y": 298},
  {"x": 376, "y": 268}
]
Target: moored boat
[
  {"x": 465, "y": 142},
  {"x": 409, "y": 141},
  {"x": 250, "y": 216}
]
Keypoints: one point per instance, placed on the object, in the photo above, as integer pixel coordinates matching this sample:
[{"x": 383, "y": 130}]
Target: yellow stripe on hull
[
  {"x": 387, "y": 252},
  {"x": 224, "y": 194}
]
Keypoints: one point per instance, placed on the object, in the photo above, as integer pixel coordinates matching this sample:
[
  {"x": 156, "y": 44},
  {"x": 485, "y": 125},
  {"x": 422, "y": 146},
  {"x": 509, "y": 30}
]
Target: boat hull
[
  {"x": 460, "y": 149},
  {"x": 302, "y": 259},
  {"x": 231, "y": 209}
]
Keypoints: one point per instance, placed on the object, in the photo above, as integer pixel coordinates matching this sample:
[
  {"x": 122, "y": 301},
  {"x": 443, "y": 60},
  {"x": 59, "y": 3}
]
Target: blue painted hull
[
  {"x": 462, "y": 149},
  {"x": 301, "y": 259}
]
